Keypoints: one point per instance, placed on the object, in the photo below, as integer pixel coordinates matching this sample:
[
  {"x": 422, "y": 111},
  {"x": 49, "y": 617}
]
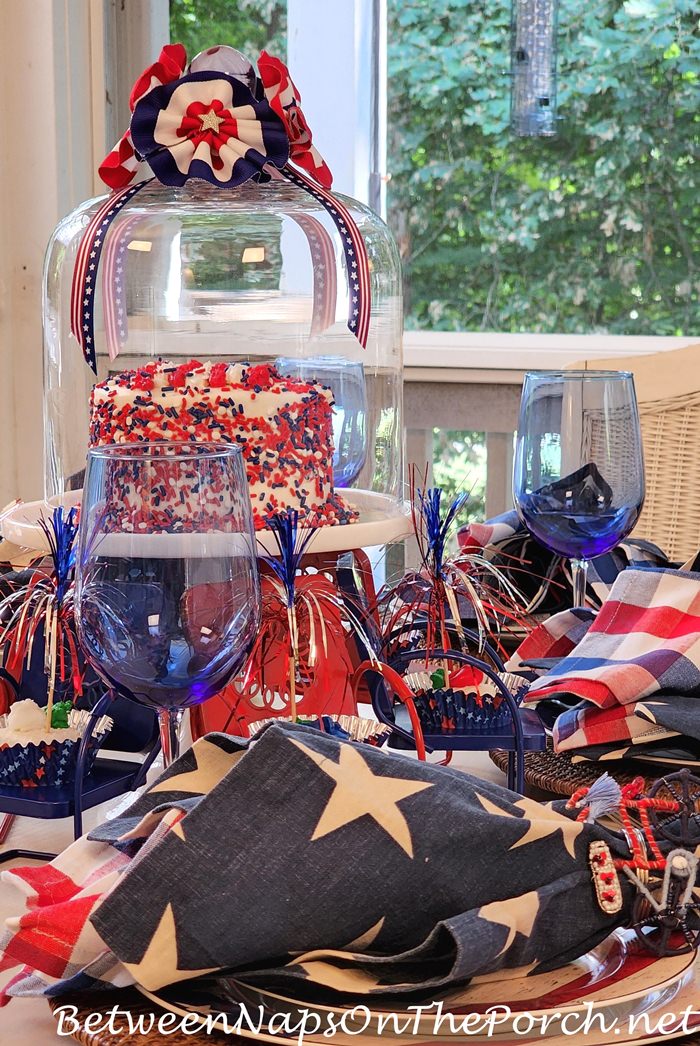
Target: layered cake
[{"x": 283, "y": 425}]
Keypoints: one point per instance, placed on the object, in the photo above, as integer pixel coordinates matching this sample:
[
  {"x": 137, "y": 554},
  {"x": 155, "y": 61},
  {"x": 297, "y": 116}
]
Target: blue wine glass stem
[
  {"x": 170, "y": 722},
  {"x": 579, "y": 574}
]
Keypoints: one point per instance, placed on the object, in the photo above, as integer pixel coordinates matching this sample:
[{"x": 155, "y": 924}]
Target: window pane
[
  {"x": 593, "y": 231},
  {"x": 459, "y": 464},
  {"x": 247, "y": 25}
]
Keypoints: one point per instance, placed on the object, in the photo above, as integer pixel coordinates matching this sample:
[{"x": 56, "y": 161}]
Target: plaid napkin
[
  {"x": 645, "y": 639},
  {"x": 542, "y": 576},
  {"x": 587, "y": 725},
  {"x": 297, "y": 858},
  {"x": 555, "y": 637}
]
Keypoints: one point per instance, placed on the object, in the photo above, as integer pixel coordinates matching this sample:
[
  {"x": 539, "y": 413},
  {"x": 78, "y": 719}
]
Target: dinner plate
[{"x": 615, "y": 982}]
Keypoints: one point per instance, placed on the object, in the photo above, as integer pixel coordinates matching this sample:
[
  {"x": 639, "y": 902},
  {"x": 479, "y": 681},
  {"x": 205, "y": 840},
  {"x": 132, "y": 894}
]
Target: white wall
[{"x": 55, "y": 128}]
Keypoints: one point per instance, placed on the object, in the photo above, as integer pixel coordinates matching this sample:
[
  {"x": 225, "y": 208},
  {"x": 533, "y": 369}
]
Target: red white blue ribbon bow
[{"x": 221, "y": 122}]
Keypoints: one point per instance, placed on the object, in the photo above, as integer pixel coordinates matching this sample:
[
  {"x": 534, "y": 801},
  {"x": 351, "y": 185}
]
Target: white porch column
[
  {"x": 46, "y": 127},
  {"x": 336, "y": 51}
]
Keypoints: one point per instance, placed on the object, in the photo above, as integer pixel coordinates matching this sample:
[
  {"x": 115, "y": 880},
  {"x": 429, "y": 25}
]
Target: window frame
[{"x": 501, "y": 358}]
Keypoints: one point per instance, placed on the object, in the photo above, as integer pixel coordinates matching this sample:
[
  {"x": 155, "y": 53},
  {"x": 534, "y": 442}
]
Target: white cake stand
[{"x": 381, "y": 519}]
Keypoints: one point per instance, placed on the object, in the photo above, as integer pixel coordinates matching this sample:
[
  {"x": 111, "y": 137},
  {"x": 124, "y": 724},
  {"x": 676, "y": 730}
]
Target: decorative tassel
[{"x": 603, "y": 797}]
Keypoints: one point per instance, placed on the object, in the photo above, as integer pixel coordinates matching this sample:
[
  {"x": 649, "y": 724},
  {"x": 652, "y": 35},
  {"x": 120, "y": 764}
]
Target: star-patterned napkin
[
  {"x": 586, "y": 725},
  {"x": 298, "y": 857},
  {"x": 675, "y": 753}
]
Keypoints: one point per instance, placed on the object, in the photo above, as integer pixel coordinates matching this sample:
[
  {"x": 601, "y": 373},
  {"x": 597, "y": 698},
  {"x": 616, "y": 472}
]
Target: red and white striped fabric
[
  {"x": 645, "y": 638},
  {"x": 119, "y": 166},
  {"x": 285, "y": 100},
  {"x": 52, "y": 939}
]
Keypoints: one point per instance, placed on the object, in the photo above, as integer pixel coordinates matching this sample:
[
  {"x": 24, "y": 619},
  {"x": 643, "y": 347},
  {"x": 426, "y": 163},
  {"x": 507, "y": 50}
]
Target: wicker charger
[{"x": 554, "y": 772}]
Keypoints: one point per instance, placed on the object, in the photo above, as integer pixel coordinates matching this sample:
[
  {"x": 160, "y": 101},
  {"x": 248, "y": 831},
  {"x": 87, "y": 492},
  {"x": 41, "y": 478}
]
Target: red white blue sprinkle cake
[{"x": 283, "y": 425}]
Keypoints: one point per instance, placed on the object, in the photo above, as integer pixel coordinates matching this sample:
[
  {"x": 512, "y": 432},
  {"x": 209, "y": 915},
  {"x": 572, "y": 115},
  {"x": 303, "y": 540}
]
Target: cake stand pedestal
[{"x": 382, "y": 519}]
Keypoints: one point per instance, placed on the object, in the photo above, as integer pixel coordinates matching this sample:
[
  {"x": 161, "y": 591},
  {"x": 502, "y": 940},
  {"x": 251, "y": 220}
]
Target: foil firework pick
[
  {"x": 302, "y": 642},
  {"x": 43, "y": 607},
  {"x": 430, "y": 601}
]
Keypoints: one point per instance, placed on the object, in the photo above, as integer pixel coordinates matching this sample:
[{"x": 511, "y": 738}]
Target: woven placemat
[{"x": 554, "y": 772}]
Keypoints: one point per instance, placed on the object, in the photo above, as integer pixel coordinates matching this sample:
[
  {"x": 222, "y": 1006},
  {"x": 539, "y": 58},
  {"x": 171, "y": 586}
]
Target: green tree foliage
[
  {"x": 247, "y": 25},
  {"x": 595, "y": 230},
  {"x": 459, "y": 464}
]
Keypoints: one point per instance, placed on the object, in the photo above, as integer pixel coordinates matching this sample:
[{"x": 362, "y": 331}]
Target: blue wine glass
[
  {"x": 578, "y": 476},
  {"x": 167, "y": 591},
  {"x": 346, "y": 380}
]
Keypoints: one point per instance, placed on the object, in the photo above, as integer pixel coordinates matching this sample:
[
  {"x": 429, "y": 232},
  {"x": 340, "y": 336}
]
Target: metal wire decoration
[{"x": 533, "y": 100}]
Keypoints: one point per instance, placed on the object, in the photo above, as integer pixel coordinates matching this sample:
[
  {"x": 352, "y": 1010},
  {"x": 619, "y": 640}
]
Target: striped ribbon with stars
[
  {"x": 93, "y": 241},
  {"x": 359, "y": 291},
  {"x": 113, "y": 290},
  {"x": 324, "y": 271},
  {"x": 86, "y": 267}
]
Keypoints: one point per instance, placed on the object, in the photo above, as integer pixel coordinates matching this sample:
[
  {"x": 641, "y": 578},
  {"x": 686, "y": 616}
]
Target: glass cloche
[{"x": 261, "y": 273}]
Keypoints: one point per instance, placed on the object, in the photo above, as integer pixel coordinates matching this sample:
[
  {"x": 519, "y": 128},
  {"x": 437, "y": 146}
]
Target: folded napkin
[
  {"x": 297, "y": 857},
  {"x": 645, "y": 638},
  {"x": 586, "y": 725},
  {"x": 553, "y": 638},
  {"x": 641, "y": 723},
  {"x": 674, "y": 752},
  {"x": 673, "y": 712}
]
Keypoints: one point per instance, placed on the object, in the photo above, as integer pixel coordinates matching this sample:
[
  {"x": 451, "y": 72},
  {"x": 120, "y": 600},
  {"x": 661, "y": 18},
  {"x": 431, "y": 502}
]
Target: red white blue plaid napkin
[
  {"x": 587, "y": 725},
  {"x": 645, "y": 639}
]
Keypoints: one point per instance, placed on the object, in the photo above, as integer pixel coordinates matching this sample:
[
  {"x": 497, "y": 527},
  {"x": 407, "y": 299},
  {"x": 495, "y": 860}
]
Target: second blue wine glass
[
  {"x": 346, "y": 380},
  {"x": 578, "y": 476}
]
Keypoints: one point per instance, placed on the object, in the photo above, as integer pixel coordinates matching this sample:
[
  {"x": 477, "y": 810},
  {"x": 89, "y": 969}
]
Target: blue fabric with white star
[{"x": 322, "y": 861}]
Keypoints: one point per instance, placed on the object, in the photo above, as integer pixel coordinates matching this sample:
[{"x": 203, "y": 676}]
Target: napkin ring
[{"x": 662, "y": 829}]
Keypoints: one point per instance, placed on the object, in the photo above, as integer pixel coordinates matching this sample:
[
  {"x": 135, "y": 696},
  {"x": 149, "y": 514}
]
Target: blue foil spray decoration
[{"x": 60, "y": 534}]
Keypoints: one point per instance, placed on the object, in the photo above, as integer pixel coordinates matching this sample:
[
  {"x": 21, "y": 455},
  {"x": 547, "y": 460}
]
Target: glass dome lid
[{"x": 230, "y": 296}]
